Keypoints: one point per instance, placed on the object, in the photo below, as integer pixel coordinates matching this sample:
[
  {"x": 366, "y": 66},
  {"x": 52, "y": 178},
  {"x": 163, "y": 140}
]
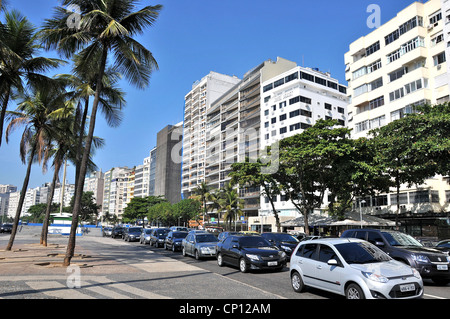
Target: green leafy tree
[
  {"x": 37, "y": 212},
  {"x": 231, "y": 204},
  {"x": 186, "y": 210},
  {"x": 136, "y": 209},
  {"x": 415, "y": 147},
  {"x": 89, "y": 209},
  {"x": 308, "y": 163}
]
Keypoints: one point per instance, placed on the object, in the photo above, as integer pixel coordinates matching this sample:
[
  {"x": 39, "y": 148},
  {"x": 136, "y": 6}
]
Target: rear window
[{"x": 307, "y": 251}]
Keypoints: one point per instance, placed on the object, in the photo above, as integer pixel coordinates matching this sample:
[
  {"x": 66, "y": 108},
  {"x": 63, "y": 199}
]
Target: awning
[{"x": 352, "y": 218}]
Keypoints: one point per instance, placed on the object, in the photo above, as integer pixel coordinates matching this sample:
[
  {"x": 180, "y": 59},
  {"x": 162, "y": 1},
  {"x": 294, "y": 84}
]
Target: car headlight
[
  {"x": 252, "y": 257},
  {"x": 286, "y": 248},
  {"x": 282, "y": 254},
  {"x": 416, "y": 273},
  {"x": 375, "y": 277},
  {"x": 420, "y": 258}
]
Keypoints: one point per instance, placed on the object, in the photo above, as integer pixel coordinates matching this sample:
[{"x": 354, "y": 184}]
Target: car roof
[{"x": 332, "y": 241}]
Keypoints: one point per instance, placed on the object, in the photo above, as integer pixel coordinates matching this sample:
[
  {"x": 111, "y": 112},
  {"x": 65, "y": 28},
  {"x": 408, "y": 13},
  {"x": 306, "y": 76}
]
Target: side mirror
[
  {"x": 236, "y": 246},
  {"x": 332, "y": 262}
]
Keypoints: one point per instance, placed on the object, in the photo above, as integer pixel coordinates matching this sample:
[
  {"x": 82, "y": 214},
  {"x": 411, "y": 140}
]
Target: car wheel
[
  {"x": 243, "y": 265},
  {"x": 197, "y": 256},
  {"x": 173, "y": 248},
  {"x": 297, "y": 282},
  {"x": 219, "y": 260},
  {"x": 353, "y": 291}
]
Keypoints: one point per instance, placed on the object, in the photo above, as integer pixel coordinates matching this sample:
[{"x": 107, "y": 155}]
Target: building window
[
  {"x": 373, "y": 48},
  {"x": 438, "y": 59},
  {"x": 273, "y": 120},
  {"x": 278, "y": 83},
  {"x": 341, "y": 110},
  {"x": 436, "y": 17},
  {"x": 268, "y": 87},
  {"x": 397, "y": 94},
  {"x": 403, "y": 197},
  {"x": 294, "y": 113},
  {"x": 291, "y": 77},
  {"x": 282, "y": 104},
  {"x": 321, "y": 81},
  {"x": 374, "y": 66},
  {"x": 376, "y": 103},
  {"x": 283, "y": 117},
  {"x": 266, "y": 112},
  {"x": 327, "y": 106},
  {"x": 307, "y": 76},
  {"x": 419, "y": 197},
  {"x": 283, "y": 130}
]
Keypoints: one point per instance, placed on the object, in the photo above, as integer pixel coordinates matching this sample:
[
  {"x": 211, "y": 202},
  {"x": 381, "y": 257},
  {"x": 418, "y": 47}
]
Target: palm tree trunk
[
  {"x": 3, "y": 112},
  {"x": 22, "y": 198},
  {"x": 80, "y": 182},
  {"x": 44, "y": 231}
]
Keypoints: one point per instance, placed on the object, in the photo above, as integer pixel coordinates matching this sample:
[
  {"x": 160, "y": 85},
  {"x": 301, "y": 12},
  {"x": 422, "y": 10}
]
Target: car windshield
[
  {"x": 361, "y": 253},
  {"x": 283, "y": 237},
  {"x": 134, "y": 230},
  {"x": 400, "y": 239},
  {"x": 254, "y": 241},
  {"x": 206, "y": 238},
  {"x": 148, "y": 231},
  {"x": 179, "y": 235}
]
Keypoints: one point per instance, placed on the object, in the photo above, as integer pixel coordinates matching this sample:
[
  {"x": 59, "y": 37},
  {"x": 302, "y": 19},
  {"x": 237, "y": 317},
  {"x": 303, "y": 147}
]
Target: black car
[
  {"x": 431, "y": 263},
  {"x": 6, "y": 228},
  {"x": 158, "y": 236},
  {"x": 132, "y": 234},
  {"x": 444, "y": 246},
  {"x": 173, "y": 240},
  {"x": 117, "y": 231},
  {"x": 225, "y": 234},
  {"x": 250, "y": 252},
  {"x": 283, "y": 241}
]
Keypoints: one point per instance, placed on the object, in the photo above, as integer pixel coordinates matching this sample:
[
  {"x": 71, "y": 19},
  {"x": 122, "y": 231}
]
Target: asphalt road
[{"x": 123, "y": 270}]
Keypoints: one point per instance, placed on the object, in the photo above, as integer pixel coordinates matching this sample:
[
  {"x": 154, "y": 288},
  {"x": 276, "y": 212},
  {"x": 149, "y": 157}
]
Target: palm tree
[
  {"x": 18, "y": 64},
  {"x": 106, "y": 29},
  {"x": 214, "y": 199},
  {"x": 36, "y": 112},
  {"x": 231, "y": 203},
  {"x": 202, "y": 191}
]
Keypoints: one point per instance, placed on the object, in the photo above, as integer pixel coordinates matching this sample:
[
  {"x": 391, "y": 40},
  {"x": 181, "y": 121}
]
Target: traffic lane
[
  {"x": 279, "y": 282},
  {"x": 274, "y": 282}
]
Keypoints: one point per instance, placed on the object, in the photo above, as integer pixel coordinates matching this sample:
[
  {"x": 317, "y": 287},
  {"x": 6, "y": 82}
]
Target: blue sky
[{"x": 192, "y": 38}]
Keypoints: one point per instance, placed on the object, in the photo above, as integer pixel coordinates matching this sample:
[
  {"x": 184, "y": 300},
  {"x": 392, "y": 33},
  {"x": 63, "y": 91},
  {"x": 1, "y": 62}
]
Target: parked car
[
  {"x": 145, "y": 236},
  {"x": 106, "y": 231},
  {"x": 117, "y": 231},
  {"x": 225, "y": 234},
  {"x": 353, "y": 268},
  {"x": 310, "y": 237},
  {"x": 283, "y": 241},
  {"x": 158, "y": 236},
  {"x": 132, "y": 234},
  {"x": 431, "y": 263},
  {"x": 250, "y": 252},
  {"x": 199, "y": 244},
  {"x": 444, "y": 246},
  {"x": 179, "y": 228},
  {"x": 173, "y": 240},
  {"x": 6, "y": 228}
]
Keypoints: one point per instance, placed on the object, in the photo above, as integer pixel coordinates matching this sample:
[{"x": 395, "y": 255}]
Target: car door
[
  {"x": 328, "y": 276},
  {"x": 225, "y": 249},
  {"x": 188, "y": 244},
  {"x": 234, "y": 253},
  {"x": 307, "y": 263}
]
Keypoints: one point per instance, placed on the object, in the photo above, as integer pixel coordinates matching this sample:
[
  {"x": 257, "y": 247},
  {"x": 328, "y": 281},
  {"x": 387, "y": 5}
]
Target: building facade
[
  {"x": 197, "y": 103},
  {"x": 290, "y": 103},
  {"x": 390, "y": 71}
]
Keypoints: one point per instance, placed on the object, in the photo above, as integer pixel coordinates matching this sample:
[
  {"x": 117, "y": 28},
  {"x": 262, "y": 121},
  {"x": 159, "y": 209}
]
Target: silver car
[
  {"x": 353, "y": 268},
  {"x": 199, "y": 244}
]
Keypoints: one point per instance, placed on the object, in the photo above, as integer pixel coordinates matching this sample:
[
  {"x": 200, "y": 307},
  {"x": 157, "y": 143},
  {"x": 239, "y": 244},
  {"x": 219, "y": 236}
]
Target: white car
[{"x": 353, "y": 268}]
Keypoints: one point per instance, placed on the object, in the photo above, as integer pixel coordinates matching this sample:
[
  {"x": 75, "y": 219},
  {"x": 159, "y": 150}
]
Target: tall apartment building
[
  {"x": 197, "y": 103},
  {"x": 290, "y": 103},
  {"x": 233, "y": 129},
  {"x": 391, "y": 70},
  {"x": 95, "y": 183},
  {"x": 5, "y": 191},
  {"x": 152, "y": 173},
  {"x": 168, "y": 163},
  {"x": 115, "y": 190}
]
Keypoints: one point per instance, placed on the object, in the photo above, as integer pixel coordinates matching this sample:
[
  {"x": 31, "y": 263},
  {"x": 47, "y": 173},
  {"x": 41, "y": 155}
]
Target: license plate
[
  {"x": 442, "y": 267},
  {"x": 409, "y": 287},
  {"x": 272, "y": 263}
]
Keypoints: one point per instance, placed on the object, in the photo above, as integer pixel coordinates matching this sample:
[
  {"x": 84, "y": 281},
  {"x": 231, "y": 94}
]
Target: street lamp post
[{"x": 360, "y": 211}]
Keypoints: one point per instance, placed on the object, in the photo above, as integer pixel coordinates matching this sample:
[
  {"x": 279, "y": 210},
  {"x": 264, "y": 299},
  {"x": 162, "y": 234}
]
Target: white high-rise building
[
  {"x": 390, "y": 71},
  {"x": 197, "y": 103},
  {"x": 115, "y": 190},
  {"x": 94, "y": 182},
  {"x": 290, "y": 103}
]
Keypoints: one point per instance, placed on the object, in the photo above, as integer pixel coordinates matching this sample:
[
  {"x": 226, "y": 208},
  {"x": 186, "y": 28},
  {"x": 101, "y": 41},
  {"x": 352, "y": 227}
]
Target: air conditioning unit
[{"x": 430, "y": 27}]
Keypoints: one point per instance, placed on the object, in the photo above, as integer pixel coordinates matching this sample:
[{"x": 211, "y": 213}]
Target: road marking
[
  {"x": 130, "y": 289},
  {"x": 431, "y": 296},
  {"x": 55, "y": 289}
]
